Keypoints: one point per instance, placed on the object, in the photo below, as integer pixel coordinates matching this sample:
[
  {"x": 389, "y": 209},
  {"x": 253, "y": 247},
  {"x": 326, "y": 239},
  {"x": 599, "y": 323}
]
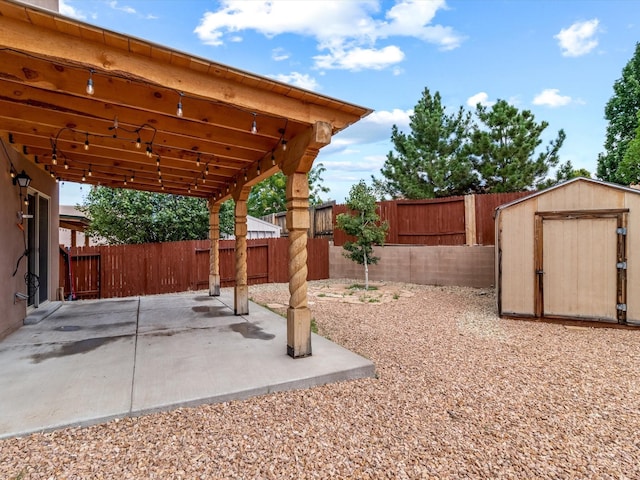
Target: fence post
[{"x": 470, "y": 220}]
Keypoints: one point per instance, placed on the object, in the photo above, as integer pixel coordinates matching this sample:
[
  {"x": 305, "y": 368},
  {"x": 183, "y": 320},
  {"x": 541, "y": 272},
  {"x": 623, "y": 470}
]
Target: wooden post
[
  {"x": 298, "y": 313},
  {"x": 241, "y": 290},
  {"x": 214, "y": 251},
  {"x": 470, "y": 229}
]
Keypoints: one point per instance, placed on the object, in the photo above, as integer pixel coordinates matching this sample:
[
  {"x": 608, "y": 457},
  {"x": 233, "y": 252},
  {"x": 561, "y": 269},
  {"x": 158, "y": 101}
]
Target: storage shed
[{"x": 570, "y": 252}]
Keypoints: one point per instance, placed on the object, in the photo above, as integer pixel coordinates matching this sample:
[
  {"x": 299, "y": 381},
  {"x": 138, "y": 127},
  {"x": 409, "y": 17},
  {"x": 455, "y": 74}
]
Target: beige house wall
[
  {"x": 12, "y": 239},
  {"x": 423, "y": 265}
]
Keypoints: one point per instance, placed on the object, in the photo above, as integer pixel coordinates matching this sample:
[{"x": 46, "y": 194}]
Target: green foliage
[
  {"x": 227, "y": 217},
  {"x": 129, "y": 216},
  {"x": 270, "y": 195},
  {"x": 503, "y": 147},
  {"x": 630, "y": 164},
  {"x": 565, "y": 172},
  {"x": 363, "y": 223},
  {"x": 431, "y": 161},
  {"x": 496, "y": 150},
  {"x": 621, "y": 112}
]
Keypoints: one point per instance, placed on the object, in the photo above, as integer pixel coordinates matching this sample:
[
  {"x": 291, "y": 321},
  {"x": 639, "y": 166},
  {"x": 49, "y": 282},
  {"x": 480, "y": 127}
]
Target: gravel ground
[{"x": 459, "y": 394}]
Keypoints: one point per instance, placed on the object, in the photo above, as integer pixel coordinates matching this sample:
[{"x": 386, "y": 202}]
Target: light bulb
[
  {"x": 258, "y": 169},
  {"x": 198, "y": 161},
  {"x": 206, "y": 170},
  {"x": 138, "y": 143},
  {"x": 86, "y": 143},
  {"x": 179, "y": 108},
  {"x": 90, "y": 89},
  {"x": 284, "y": 144},
  {"x": 273, "y": 159},
  {"x": 66, "y": 165},
  {"x": 83, "y": 177},
  {"x": 89, "y": 172},
  {"x": 254, "y": 126}
]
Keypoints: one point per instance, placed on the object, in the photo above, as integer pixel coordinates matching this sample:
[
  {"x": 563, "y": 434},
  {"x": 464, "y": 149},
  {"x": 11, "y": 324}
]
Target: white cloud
[
  {"x": 578, "y": 39},
  {"x": 126, "y": 9},
  {"x": 279, "y": 54},
  {"x": 551, "y": 97},
  {"x": 360, "y": 58},
  {"x": 481, "y": 98},
  {"x": 299, "y": 80},
  {"x": 348, "y": 31},
  {"x": 70, "y": 11}
]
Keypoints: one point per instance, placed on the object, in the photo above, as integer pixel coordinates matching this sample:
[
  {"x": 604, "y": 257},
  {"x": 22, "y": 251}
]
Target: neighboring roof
[
  {"x": 72, "y": 218},
  {"x": 46, "y": 60},
  {"x": 564, "y": 184},
  {"x": 257, "y": 224}
]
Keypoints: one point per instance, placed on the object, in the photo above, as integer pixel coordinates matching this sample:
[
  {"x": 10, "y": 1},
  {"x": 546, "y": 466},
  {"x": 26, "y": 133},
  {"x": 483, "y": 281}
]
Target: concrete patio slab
[{"x": 91, "y": 361}]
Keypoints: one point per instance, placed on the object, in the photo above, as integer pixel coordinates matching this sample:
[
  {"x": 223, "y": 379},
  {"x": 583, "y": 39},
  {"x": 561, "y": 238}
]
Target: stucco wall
[
  {"x": 424, "y": 265},
  {"x": 12, "y": 238}
]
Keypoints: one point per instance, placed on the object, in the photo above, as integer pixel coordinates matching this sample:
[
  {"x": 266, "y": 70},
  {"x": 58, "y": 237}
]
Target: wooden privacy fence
[
  {"x": 153, "y": 268},
  {"x": 461, "y": 220}
]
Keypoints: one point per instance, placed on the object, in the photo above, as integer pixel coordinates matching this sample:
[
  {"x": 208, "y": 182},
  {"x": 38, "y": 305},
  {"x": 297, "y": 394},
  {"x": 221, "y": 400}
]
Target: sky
[{"x": 557, "y": 58}]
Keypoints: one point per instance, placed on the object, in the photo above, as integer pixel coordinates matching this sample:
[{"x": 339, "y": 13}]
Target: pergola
[{"x": 90, "y": 105}]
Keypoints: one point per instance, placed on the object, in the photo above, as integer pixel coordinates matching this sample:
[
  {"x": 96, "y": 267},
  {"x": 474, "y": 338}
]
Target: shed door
[{"x": 581, "y": 274}]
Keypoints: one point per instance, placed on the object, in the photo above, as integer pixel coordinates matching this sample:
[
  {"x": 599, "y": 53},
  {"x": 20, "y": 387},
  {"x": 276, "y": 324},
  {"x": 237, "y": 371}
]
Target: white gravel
[{"x": 459, "y": 394}]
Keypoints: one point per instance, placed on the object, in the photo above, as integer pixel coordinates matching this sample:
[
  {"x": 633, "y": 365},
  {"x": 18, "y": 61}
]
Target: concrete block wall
[{"x": 423, "y": 265}]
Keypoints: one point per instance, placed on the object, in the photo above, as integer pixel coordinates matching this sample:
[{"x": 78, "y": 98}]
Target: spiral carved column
[
  {"x": 214, "y": 252},
  {"x": 241, "y": 290},
  {"x": 298, "y": 313}
]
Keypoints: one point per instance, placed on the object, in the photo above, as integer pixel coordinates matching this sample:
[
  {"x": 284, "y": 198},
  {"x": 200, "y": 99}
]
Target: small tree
[{"x": 363, "y": 223}]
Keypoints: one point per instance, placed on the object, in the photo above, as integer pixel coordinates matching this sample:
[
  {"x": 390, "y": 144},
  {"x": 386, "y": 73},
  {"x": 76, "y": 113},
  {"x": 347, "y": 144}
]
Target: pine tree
[
  {"x": 504, "y": 145},
  {"x": 621, "y": 112},
  {"x": 431, "y": 160}
]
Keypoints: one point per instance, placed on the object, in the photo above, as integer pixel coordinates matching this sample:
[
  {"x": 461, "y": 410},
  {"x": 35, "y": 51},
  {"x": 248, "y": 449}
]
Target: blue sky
[{"x": 557, "y": 58}]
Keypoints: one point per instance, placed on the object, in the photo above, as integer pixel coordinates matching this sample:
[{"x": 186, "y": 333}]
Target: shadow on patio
[{"x": 95, "y": 360}]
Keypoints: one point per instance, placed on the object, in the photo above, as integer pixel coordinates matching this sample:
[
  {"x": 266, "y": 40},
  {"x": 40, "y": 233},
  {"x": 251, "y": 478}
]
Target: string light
[
  {"x": 273, "y": 158},
  {"x": 245, "y": 175},
  {"x": 138, "y": 143},
  {"x": 84, "y": 177},
  {"x": 158, "y": 162},
  {"x": 206, "y": 170},
  {"x": 198, "y": 161},
  {"x": 66, "y": 165},
  {"x": 54, "y": 155},
  {"x": 258, "y": 169},
  {"x": 179, "y": 108},
  {"x": 125, "y": 181},
  {"x": 254, "y": 126},
  {"x": 284, "y": 145},
  {"x": 204, "y": 179},
  {"x": 149, "y": 152},
  {"x": 86, "y": 142},
  {"x": 90, "y": 89},
  {"x": 132, "y": 177},
  {"x": 89, "y": 170}
]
